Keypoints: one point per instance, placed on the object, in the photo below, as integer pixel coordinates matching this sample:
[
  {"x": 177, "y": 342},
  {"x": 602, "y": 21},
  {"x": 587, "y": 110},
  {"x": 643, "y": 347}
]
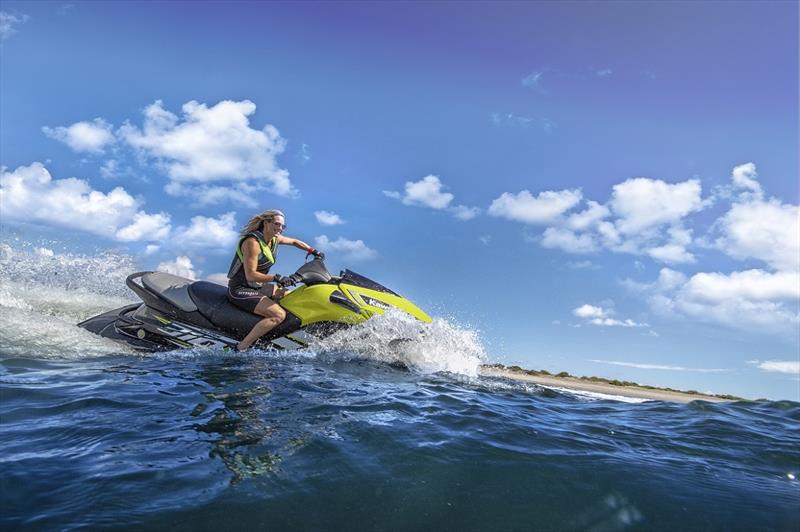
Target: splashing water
[
  {"x": 44, "y": 294},
  {"x": 397, "y": 338}
]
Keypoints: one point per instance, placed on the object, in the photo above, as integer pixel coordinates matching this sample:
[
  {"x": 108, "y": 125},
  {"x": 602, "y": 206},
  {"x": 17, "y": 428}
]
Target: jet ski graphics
[{"x": 176, "y": 312}]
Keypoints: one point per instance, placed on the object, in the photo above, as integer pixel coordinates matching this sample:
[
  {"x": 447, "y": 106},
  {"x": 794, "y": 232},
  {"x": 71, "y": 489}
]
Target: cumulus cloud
[
  {"x": 428, "y": 192},
  {"x": 182, "y": 266},
  {"x": 212, "y": 152},
  {"x": 764, "y": 230},
  {"x": 30, "y": 194},
  {"x": 587, "y": 218},
  {"x": 328, "y": 218},
  {"x": 464, "y": 213},
  {"x": 752, "y": 300},
  {"x": 153, "y": 227},
  {"x": 642, "y": 203},
  {"x": 569, "y": 241},
  {"x": 589, "y": 311},
  {"x": 205, "y": 232},
  {"x": 674, "y": 251},
  {"x": 544, "y": 208},
  {"x": 745, "y": 177},
  {"x": 91, "y": 137},
  {"x": 9, "y": 23},
  {"x": 350, "y": 250}
]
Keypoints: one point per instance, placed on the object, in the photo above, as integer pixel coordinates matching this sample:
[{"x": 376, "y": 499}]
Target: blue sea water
[{"x": 95, "y": 437}]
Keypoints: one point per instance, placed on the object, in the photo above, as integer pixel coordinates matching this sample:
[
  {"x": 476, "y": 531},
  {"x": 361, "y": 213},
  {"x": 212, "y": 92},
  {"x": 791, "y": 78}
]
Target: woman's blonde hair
[{"x": 258, "y": 220}]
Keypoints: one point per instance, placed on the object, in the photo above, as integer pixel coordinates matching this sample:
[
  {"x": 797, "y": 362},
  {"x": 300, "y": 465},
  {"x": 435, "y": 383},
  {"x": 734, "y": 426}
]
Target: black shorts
[{"x": 247, "y": 298}]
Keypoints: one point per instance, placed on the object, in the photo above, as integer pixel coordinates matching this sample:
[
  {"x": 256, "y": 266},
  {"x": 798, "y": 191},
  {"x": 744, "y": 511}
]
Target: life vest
[{"x": 269, "y": 250}]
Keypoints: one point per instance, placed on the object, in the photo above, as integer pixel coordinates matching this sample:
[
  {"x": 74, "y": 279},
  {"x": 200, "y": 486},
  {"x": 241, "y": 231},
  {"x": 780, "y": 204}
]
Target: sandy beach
[{"x": 578, "y": 384}]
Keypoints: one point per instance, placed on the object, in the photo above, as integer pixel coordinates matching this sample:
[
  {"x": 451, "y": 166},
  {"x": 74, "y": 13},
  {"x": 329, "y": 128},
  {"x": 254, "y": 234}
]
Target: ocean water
[{"x": 93, "y": 436}]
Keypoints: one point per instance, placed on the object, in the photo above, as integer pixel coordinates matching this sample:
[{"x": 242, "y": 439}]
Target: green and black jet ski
[{"x": 180, "y": 313}]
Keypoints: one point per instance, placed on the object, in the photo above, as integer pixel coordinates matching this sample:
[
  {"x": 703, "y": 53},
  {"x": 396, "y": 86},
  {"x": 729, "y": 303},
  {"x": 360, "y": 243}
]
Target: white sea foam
[
  {"x": 397, "y": 338},
  {"x": 44, "y": 294},
  {"x": 596, "y": 396}
]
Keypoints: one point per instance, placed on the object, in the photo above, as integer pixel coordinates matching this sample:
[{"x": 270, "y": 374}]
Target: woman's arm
[
  {"x": 299, "y": 244},
  {"x": 251, "y": 251}
]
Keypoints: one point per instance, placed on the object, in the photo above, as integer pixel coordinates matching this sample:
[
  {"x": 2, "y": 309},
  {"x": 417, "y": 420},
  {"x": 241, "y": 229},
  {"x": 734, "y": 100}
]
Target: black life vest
[{"x": 266, "y": 258}]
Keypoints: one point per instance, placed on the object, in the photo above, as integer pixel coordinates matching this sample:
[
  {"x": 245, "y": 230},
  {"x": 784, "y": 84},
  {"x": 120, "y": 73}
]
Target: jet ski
[{"x": 178, "y": 313}]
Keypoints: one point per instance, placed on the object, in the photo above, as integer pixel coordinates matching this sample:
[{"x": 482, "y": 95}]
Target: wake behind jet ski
[{"x": 180, "y": 313}]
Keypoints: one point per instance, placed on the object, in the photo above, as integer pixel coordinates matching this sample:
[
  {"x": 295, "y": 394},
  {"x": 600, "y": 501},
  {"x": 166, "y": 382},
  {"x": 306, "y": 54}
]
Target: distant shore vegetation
[{"x": 612, "y": 382}]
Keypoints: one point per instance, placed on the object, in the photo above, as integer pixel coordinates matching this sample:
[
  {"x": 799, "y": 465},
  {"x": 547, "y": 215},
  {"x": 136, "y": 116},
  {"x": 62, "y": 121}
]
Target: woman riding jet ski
[
  {"x": 249, "y": 272},
  {"x": 179, "y": 313}
]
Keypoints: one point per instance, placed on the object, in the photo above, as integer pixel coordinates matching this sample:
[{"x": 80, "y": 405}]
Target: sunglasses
[{"x": 278, "y": 224}]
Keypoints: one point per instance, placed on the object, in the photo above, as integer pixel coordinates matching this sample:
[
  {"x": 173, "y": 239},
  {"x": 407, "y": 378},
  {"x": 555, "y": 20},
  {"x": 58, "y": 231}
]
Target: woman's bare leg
[{"x": 273, "y": 315}]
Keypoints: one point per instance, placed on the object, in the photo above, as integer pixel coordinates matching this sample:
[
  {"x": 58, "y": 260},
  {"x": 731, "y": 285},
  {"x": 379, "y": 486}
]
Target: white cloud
[
  {"x": 110, "y": 169},
  {"x": 351, "y": 250},
  {"x": 91, "y": 137},
  {"x": 600, "y": 316},
  {"x": 205, "y": 232},
  {"x": 544, "y": 208},
  {"x": 212, "y": 145},
  {"x": 153, "y": 227},
  {"x": 752, "y": 285},
  {"x": 745, "y": 176},
  {"x": 611, "y": 322},
  {"x": 392, "y": 194},
  {"x": 643, "y": 217},
  {"x": 658, "y": 366},
  {"x": 8, "y": 23},
  {"x": 674, "y": 251},
  {"x": 30, "y": 194},
  {"x": 779, "y": 366},
  {"x": 328, "y": 218},
  {"x": 427, "y": 192},
  {"x": 589, "y": 311},
  {"x": 566, "y": 240},
  {"x": 752, "y": 300},
  {"x": 464, "y": 213},
  {"x": 763, "y": 230},
  {"x": 588, "y": 218},
  {"x": 604, "y": 72},
  {"x": 642, "y": 203},
  {"x": 151, "y": 248},
  {"x": 181, "y": 266}
]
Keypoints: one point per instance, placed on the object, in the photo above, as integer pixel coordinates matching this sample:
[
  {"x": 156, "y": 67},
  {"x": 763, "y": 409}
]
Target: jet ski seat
[
  {"x": 212, "y": 302},
  {"x": 171, "y": 288}
]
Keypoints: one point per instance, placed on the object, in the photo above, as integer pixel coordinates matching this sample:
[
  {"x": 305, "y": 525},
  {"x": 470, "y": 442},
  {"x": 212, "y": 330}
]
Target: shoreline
[{"x": 584, "y": 385}]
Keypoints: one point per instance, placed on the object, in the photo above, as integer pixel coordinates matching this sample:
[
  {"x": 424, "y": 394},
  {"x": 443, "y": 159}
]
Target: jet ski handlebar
[{"x": 311, "y": 273}]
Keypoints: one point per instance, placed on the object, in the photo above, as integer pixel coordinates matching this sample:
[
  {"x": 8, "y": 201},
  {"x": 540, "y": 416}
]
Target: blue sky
[{"x": 603, "y": 188}]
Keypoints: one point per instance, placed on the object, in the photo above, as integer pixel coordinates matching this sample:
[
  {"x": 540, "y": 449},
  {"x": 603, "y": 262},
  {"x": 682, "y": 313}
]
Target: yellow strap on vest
[{"x": 266, "y": 249}]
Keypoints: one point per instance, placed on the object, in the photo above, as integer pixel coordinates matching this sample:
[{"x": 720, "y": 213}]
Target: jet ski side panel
[{"x": 119, "y": 325}]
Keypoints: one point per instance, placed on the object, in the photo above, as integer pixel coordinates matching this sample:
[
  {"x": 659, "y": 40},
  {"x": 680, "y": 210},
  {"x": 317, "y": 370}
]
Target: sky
[{"x": 603, "y": 188}]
